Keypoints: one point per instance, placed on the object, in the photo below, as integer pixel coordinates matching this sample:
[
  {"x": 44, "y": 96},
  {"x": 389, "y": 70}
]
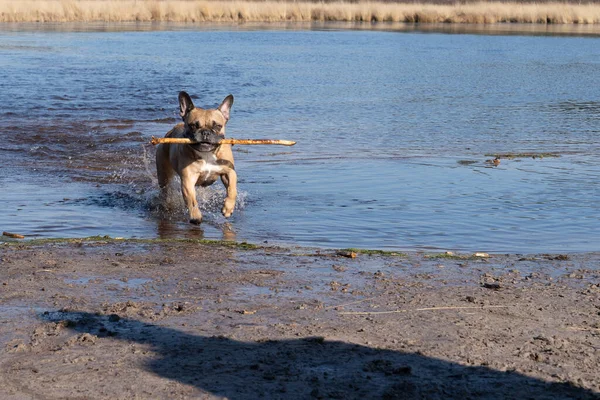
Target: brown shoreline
[{"x": 120, "y": 319}]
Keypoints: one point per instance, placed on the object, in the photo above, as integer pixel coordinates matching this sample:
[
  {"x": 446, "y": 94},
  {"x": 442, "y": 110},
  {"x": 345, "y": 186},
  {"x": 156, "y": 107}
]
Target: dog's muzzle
[{"x": 207, "y": 140}]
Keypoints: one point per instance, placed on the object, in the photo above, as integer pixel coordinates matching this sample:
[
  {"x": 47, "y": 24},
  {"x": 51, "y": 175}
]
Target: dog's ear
[
  {"x": 185, "y": 104},
  {"x": 225, "y": 106}
]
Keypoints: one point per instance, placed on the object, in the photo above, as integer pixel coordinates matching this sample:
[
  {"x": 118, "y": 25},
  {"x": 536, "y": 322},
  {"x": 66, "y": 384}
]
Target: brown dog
[{"x": 199, "y": 164}]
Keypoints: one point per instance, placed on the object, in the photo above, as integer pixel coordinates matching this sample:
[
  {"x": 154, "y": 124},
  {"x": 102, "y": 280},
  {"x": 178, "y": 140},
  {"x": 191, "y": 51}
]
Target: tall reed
[{"x": 280, "y": 11}]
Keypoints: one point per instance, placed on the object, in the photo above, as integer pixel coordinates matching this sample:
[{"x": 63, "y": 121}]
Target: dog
[{"x": 199, "y": 164}]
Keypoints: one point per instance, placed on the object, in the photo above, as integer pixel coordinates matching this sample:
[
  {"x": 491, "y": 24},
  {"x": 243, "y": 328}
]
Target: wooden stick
[
  {"x": 13, "y": 235},
  {"x": 582, "y": 329},
  {"x": 419, "y": 309},
  {"x": 156, "y": 141},
  {"x": 349, "y": 304}
]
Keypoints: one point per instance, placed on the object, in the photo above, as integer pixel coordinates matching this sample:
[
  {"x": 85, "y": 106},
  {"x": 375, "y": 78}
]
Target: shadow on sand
[{"x": 310, "y": 367}]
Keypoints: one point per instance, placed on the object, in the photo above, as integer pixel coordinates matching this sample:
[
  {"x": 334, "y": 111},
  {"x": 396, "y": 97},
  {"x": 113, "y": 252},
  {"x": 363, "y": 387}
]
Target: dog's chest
[{"x": 208, "y": 170}]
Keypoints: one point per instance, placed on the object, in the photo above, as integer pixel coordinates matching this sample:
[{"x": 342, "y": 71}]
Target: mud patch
[{"x": 213, "y": 321}]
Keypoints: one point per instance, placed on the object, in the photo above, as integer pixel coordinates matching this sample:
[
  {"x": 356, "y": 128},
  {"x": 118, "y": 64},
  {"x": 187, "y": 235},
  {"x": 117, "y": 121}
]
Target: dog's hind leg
[
  {"x": 164, "y": 173},
  {"x": 164, "y": 170}
]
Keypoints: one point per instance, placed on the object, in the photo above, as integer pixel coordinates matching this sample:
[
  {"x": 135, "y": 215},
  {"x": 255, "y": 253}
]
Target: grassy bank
[{"x": 273, "y": 11}]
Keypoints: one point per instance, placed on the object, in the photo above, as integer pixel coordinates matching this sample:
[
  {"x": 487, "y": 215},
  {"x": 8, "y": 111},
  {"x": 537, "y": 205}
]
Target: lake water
[{"x": 394, "y": 128}]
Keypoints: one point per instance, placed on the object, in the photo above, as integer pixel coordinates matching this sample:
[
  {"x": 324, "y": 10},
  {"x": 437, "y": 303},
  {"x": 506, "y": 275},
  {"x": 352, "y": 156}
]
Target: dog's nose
[{"x": 205, "y": 134}]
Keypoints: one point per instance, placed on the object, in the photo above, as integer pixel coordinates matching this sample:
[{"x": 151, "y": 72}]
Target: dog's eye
[
  {"x": 195, "y": 125},
  {"x": 217, "y": 127}
]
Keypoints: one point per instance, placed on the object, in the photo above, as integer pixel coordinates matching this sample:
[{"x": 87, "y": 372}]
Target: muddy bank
[{"x": 120, "y": 319}]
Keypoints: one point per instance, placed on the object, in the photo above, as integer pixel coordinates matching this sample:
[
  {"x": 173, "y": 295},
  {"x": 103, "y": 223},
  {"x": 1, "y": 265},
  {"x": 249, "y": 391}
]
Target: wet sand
[{"x": 107, "y": 319}]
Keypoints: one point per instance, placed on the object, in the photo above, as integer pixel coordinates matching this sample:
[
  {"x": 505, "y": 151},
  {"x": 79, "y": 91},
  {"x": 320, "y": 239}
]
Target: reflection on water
[
  {"x": 477, "y": 29},
  {"x": 167, "y": 228},
  {"x": 394, "y": 128}
]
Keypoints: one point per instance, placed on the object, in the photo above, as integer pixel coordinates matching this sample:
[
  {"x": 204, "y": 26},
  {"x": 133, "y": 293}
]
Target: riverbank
[
  {"x": 196, "y": 11},
  {"x": 104, "y": 318}
]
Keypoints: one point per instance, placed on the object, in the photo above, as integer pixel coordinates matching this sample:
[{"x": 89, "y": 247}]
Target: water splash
[{"x": 169, "y": 203}]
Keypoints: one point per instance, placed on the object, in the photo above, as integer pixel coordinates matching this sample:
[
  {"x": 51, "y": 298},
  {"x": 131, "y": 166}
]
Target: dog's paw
[
  {"x": 228, "y": 207},
  {"x": 196, "y": 221}
]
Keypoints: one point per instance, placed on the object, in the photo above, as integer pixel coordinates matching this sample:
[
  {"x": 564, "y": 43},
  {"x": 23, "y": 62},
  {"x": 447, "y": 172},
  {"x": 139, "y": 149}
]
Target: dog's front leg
[
  {"x": 188, "y": 189},
  {"x": 229, "y": 178}
]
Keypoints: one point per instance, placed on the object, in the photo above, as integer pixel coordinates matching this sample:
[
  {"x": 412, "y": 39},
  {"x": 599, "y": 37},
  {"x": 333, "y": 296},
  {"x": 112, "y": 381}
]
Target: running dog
[{"x": 202, "y": 163}]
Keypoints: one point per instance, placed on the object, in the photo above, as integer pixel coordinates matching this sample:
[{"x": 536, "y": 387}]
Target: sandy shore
[{"x": 134, "y": 320}]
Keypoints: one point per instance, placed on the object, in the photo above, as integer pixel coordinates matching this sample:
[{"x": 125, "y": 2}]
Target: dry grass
[{"x": 277, "y": 11}]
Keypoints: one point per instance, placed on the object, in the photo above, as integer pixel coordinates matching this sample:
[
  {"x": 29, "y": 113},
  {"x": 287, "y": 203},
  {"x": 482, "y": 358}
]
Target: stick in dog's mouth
[{"x": 169, "y": 140}]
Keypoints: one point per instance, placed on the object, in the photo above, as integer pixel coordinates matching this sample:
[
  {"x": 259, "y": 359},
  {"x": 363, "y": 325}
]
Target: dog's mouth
[{"x": 204, "y": 146}]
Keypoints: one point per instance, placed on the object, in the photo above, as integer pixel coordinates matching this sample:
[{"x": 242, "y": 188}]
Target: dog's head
[{"x": 207, "y": 127}]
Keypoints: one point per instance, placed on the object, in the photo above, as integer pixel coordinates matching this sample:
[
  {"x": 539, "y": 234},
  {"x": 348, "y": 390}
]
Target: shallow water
[{"x": 393, "y": 127}]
